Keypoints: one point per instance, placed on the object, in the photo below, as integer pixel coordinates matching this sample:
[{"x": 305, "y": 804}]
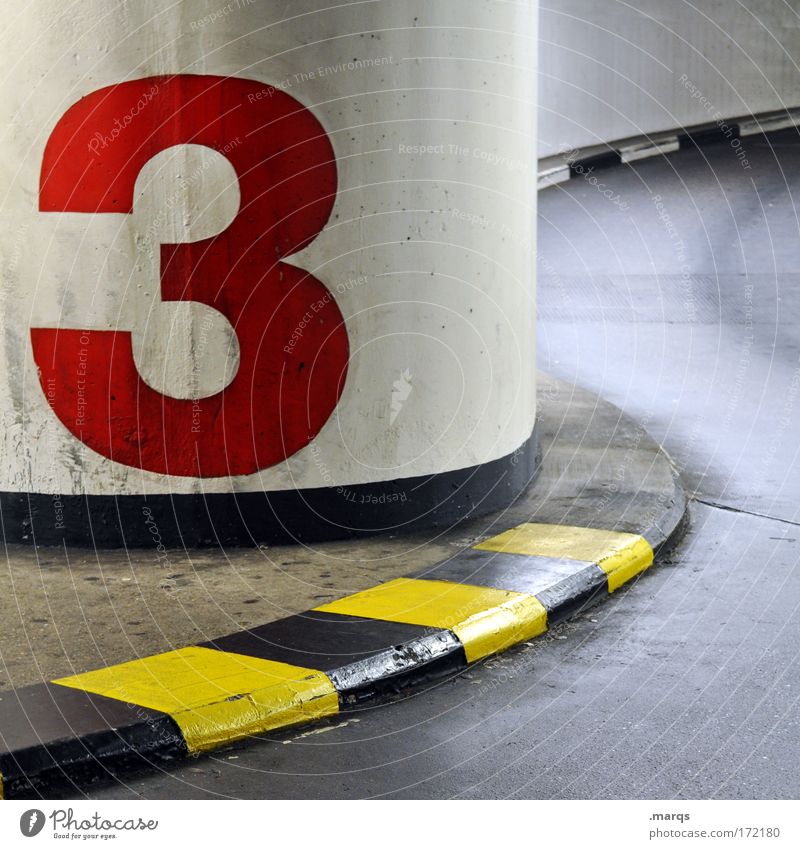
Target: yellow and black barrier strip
[{"x": 369, "y": 646}]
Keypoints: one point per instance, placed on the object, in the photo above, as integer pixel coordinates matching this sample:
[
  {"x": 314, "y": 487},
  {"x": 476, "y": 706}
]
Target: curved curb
[
  {"x": 367, "y": 647},
  {"x": 561, "y": 167}
]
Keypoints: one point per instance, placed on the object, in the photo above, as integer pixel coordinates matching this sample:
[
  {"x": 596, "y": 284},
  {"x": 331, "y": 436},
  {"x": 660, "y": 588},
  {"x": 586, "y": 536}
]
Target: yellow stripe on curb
[
  {"x": 215, "y": 697},
  {"x": 619, "y": 555},
  {"x": 624, "y": 564},
  {"x": 485, "y": 620}
]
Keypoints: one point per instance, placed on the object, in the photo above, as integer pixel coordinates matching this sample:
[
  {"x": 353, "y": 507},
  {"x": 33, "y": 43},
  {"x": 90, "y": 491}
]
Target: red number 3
[{"x": 292, "y": 340}]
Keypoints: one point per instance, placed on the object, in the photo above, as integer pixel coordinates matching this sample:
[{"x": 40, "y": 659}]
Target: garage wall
[{"x": 610, "y": 69}]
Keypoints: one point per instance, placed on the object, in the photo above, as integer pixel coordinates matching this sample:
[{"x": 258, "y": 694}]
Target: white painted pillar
[{"x": 267, "y": 270}]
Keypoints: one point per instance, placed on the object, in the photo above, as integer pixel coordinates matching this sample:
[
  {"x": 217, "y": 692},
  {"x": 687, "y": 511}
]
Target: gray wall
[{"x": 610, "y": 69}]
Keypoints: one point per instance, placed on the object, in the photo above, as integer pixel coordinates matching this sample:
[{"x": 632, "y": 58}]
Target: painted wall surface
[
  {"x": 196, "y": 299},
  {"x": 609, "y": 70}
]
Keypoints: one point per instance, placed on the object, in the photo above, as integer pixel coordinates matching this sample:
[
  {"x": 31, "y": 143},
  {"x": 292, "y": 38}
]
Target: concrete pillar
[{"x": 267, "y": 270}]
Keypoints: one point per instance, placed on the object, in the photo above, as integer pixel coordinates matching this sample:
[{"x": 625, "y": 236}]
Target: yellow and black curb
[{"x": 366, "y": 647}]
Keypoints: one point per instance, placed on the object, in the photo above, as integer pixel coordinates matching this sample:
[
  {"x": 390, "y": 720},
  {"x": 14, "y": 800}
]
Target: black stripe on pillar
[{"x": 246, "y": 518}]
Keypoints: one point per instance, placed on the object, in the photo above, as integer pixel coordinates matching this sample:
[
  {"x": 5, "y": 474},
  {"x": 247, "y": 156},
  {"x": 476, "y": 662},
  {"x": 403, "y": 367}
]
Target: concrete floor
[{"x": 687, "y": 684}]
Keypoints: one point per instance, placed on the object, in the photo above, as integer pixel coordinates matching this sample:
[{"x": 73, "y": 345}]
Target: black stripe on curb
[
  {"x": 574, "y": 593},
  {"x": 53, "y": 736},
  {"x": 562, "y": 586},
  {"x": 366, "y": 659},
  {"x": 516, "y": 572},
  {"x": 399, "y": 670},
  {"x": 704, "y": 136},
  {"x": 604, "y": 159}
]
